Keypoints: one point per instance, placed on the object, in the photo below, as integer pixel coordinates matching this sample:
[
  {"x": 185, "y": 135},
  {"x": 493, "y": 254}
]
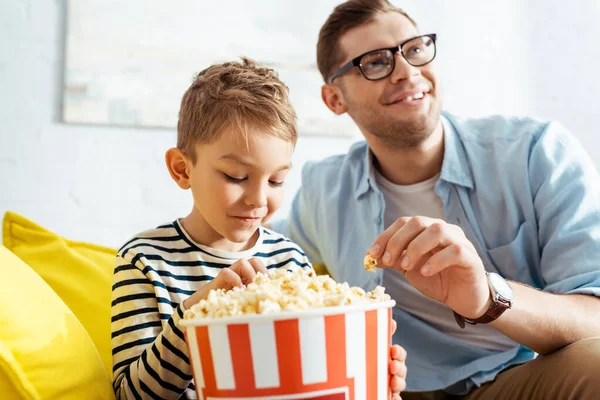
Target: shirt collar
[
  {"x": 366, "y": 175},
  {"x": 455, "y": 168}
]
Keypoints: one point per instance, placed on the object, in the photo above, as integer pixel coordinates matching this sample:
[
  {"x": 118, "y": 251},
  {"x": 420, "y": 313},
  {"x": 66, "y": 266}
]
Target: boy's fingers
[
  {"x": 397, "y": 384},
  {"x": 244, "y": 269},
  {"x": 394, "y": 367},
  {"x": 258, "y": 265},
  {"x": 397, "y": 368},
  {"x": 226, "y": 279},
  {"x": 397, "y": 353}
]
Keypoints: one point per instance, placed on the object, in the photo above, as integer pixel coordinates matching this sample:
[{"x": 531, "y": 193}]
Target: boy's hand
[
  {"x": 243, "y": 271},
  {"x": 397, "y": 368},
  {"x": 240, "y": 273}
]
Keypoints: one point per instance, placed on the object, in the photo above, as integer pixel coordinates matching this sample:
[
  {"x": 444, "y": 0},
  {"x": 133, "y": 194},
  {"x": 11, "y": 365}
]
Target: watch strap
[{"x": 493, "y": 312}]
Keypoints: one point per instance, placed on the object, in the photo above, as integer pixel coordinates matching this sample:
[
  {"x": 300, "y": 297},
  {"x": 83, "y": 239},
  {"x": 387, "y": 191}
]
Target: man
[{"x": 492, "y": 222}]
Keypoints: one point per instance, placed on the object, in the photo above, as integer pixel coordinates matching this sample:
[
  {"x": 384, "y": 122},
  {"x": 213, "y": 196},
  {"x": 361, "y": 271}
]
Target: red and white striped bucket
[{"x": 335, "y": 353}]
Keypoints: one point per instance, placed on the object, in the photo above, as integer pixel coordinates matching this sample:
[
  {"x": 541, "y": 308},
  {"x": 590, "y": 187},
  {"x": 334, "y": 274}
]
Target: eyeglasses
[{"x": 380, "y": 63}]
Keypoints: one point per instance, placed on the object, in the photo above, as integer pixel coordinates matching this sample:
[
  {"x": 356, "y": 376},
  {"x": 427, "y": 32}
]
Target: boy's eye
[
  {"x": 276, "y": 184},
  {"x": 234, "y": 180}
]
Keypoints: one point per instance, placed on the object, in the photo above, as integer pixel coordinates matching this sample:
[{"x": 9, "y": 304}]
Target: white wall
[
  {"x": 102, "y": 184},
  {"x": 536, "y": 57}
]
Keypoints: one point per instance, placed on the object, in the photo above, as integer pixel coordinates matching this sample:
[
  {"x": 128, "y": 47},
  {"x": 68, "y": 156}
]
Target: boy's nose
[{"x": 257, "y": 197}]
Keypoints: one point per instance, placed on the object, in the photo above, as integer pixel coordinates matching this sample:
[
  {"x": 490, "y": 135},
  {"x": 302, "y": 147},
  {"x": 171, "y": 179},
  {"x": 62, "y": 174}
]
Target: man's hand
[
  {"x": 239, "y": 273},
  {"x": 438, "y": 260},
  {"x": 397, "y": 368}
]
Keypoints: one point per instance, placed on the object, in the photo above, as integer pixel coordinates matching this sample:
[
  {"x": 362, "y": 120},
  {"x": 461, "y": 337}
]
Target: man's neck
[{"x": 411, "y": 165}]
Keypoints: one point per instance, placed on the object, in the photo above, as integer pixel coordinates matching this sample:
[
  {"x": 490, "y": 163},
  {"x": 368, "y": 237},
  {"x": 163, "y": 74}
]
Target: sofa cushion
[
  {"x": 45, "y": 353},
  {"x": 79, "y": 273}
]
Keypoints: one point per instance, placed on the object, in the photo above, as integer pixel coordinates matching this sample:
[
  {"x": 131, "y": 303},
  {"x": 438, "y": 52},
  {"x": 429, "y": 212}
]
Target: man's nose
[{"x": 403, "y": 70}]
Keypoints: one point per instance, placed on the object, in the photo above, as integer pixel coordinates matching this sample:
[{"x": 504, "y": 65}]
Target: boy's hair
[
  {"x": 234, "y": 95},
  {"x": 344, "y": 17}
]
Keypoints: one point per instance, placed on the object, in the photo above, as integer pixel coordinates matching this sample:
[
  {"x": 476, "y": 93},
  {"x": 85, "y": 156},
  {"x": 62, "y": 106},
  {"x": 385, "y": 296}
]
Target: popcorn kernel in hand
[{"x": 370, "y": 263}]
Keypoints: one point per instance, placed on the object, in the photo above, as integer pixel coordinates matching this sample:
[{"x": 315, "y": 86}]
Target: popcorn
[
  {"x": 370, "y": 263},
  {"x": 282, "y": 290}
]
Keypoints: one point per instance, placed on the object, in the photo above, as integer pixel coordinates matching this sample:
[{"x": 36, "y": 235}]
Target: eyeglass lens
[{"x": 380, "y": 63}]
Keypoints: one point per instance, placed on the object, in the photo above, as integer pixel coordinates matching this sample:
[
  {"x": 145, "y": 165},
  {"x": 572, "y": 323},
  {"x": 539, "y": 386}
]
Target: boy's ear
[
  {"x": 177, "y": 164},
  {"x": 333, "y": 98}
]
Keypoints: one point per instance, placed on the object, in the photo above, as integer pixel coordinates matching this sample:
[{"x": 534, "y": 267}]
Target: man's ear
[
  {"x": 333, "y": 98},
  {"x": 178, "y": 164}
]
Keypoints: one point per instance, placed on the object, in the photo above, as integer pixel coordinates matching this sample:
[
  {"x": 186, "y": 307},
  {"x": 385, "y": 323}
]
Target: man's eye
[
  {"x": 234, "y": 180},
  {"x": 276, "y": 184},
  {"x": 375, "y": 63},
  {"x": 415, "y": 50}
]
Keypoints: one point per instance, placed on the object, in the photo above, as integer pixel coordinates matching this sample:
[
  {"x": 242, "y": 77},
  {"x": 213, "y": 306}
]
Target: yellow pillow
[
  {"x": 79, "y": 273},
  {"x": 320, "y": 269},
  {"x": 45, "y": 353}
]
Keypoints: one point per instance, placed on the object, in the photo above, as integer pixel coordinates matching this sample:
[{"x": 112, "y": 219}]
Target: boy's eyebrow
[{"x": 240, "y": 160}]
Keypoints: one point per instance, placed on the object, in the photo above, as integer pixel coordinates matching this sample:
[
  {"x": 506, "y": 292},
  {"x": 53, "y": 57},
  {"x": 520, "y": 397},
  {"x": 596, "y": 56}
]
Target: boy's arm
[{"x": 148, "y": 361}]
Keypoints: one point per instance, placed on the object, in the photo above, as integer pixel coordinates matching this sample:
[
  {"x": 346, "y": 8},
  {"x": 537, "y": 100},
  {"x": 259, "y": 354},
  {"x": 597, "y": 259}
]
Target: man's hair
[
  {"x": 243, "y": 96},
  {"x": 344, "y": 17}
]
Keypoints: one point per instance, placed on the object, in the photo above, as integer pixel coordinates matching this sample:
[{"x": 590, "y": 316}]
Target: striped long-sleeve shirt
[{"x": 155, "y": 272}]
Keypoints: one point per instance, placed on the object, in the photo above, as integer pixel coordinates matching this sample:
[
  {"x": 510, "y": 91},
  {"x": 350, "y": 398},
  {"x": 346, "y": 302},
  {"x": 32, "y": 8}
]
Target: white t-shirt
[
  {"x": 421, "y": 199},
  {"x": 409, "y": 200}
]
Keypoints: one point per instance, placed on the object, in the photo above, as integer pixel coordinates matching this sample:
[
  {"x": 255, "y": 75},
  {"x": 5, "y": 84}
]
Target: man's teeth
[{"x": 416, "y": 96}]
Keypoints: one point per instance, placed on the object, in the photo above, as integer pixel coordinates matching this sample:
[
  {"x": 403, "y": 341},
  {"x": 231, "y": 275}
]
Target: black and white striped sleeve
[{"x": 148, "y": 361}]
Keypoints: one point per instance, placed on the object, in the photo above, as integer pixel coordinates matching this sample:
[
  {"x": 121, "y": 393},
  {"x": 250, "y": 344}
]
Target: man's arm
[
  {"x": 545, "y": 322},
  {"x": 566, "y": 194},
  {"x": 439, "y": 261}
]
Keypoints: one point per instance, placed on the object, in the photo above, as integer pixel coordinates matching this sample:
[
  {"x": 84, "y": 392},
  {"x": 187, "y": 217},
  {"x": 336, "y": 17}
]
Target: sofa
[
  {"x": 54, "y": 315},
  {"x": 55, "y": 296}
]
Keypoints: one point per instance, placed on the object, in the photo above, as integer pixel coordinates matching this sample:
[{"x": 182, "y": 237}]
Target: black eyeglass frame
[{"x": 355, "y": 62}]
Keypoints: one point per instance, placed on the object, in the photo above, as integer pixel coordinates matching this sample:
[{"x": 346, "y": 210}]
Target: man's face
[{"x": 383, "y": 108}]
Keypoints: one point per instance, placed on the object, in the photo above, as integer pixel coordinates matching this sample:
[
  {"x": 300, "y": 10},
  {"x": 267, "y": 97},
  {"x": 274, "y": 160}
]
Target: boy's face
[{"x": 236, "y": 186}]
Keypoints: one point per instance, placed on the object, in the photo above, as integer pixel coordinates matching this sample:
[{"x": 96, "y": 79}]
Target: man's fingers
[
  {"x": 435, "y": 236},
  {"x": 402, "y": 239},
  {"x": 381, "y": 242},
  {"x": 257, "y": 265},
  {"x": 394, "y": 326},
  {"x": 452, "y": 255}
]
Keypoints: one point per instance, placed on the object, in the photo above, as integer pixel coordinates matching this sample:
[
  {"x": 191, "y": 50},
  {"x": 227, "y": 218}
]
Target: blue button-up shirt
[{"x": 525, "y": 193}]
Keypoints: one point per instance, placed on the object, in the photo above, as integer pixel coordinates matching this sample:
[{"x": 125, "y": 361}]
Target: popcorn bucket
[{"x": 331, "y": 353}]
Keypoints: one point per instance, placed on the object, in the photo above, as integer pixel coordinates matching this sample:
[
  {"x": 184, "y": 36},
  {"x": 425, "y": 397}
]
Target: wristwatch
[{"x": 502, "y": 300}]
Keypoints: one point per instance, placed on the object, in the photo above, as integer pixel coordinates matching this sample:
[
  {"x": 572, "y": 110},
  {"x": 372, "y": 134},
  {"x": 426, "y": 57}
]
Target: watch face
[{"x": 500, "y": 286}]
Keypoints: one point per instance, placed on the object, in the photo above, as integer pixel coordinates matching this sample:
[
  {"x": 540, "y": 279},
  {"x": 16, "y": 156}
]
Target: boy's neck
[{"x": 202, "y": 233}]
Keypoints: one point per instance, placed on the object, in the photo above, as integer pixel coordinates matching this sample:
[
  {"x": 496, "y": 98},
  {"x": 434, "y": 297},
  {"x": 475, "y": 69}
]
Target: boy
[{"x": 235, "y": 138}]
